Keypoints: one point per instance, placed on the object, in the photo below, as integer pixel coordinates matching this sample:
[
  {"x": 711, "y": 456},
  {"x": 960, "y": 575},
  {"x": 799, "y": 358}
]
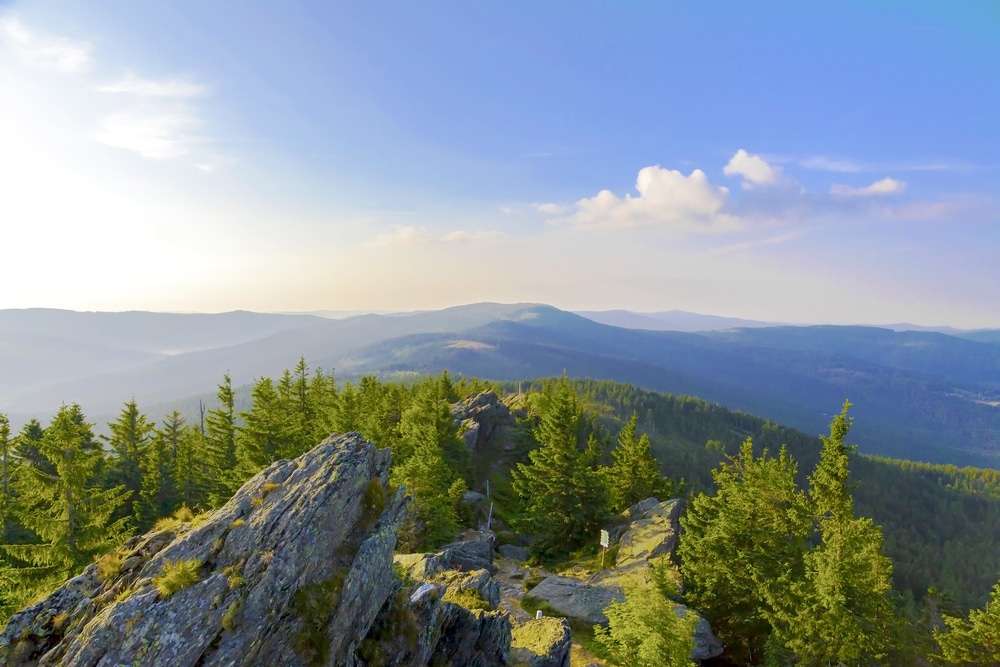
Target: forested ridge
[{"x": 584, "y": 450}]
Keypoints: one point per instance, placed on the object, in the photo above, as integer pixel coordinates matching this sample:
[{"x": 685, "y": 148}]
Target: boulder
[
  {"x": 706, "y": 644},
  {"x": 653, "y": 532},
  {"x": 576, "y": 599},
  {"x": 543, "y": 642},
  {"x": 483, "y": 421},
  {"x": 514, "y": 552},
  {"x": 461, "y": 556}
]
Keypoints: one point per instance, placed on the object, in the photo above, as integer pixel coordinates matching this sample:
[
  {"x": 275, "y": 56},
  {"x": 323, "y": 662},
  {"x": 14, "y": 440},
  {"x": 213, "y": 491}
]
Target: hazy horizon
[{"x": 787, "y": 163}]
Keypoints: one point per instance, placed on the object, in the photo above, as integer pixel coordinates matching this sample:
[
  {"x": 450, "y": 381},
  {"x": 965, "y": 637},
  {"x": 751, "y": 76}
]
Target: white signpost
[{"x": 605, "y": 541}]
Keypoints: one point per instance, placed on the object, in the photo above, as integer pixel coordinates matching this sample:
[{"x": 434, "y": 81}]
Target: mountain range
[{"x": 921, "y": 395}]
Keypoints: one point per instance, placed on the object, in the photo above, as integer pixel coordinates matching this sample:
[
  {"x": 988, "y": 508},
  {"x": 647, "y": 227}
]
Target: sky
[{"x": 832, "y": 162}]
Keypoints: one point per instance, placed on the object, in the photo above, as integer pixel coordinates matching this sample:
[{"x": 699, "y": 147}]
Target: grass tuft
[
  {"x": 469, "y": 598},
  {"x": 177, "y": 576},
  {"x": 109, "y": 565}
]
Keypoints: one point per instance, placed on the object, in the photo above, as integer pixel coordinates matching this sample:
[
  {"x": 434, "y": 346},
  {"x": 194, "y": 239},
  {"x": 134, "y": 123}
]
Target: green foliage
[
  {"x": 71, "y": 517},
  {"x": 647, "y": 630},
  {"x": 222, "y": 475},
  {"x": 177, "y": 576},
  {"x": 129, "y": 441},
  {"x": 847, "y": 613},
  {"x": 975, "y": 641},
  {"x": 635, "y": 474},
  {"x": 743, "y": 548},
  {"x": 562, "y": 497}
]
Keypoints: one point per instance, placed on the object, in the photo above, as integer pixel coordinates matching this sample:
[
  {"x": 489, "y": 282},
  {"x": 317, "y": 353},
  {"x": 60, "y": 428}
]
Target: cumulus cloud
[
  {"x": 667, "y": 200},
  {"x": 47, "y": 51},
  {"x": 170, "y": 88},
  {"x": 156, "y": 134},
  {"x": 887, "y": 186},
  {"x": 753, "y": 168}
]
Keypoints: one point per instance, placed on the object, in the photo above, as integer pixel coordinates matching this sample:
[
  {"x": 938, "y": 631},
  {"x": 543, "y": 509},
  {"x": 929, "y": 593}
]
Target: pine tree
[
  {"x": 26, "y": 446},
  {"x": 323, "y": 399},
  {"x": 6, "y": 468},
  {"x": 185, "y": 444},
  {"x": 347, "y": 418},
  {"x": 158, "y": 497},
  {"x": 743, "y": 547},
  {"x": 222, "y": 478},
  {"x": 70, "y": 515},
  {"x": 129, "y": 440},
  {"x": 263, "y": 437},
  {"x": 436, "y": 491},
  {"x": 557, "y": 487},
  {"x": 429, "y": 419},
  {"x": 847, "y": 614},
  {"x": 975, "y": 641},
  {"x": 635, "y": 474}
]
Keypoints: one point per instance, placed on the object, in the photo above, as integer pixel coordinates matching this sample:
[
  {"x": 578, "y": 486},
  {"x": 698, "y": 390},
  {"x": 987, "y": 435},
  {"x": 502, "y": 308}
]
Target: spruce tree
[
  {"x": 158, "y": 497},
  {"x": 323, "y": 406},
  {"x": 130, "y": 436},
  {"x": 263, "y": 438},
  {"x": 222, "y": 478},
  {"x": 556, "y": 487},
  {"x": 742, "y": 549},
  {"x": 69, "y": 513},
  {"x": 975, "y": 641},
  {"x": 6, "y": 469},
  {"x": 635, "y": 474},
  {"x": 847, "y": 614}
]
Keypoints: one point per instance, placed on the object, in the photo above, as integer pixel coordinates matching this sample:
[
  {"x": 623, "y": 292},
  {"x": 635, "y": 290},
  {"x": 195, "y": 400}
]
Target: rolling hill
[{"x": 918, "y": 395}]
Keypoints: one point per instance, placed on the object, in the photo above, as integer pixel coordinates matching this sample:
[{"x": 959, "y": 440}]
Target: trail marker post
[{"x": 605, "y": 541}]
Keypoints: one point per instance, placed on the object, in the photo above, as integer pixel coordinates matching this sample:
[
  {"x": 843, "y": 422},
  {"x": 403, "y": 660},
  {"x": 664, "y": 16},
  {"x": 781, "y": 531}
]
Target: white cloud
[
  {"x": 668, "y": 200},
  {"x": 887, "y": 186},
  {"x": 464, "y": 236},
  {"x": 172, "y": 88},
  {"x": 47, "y": 51},
  {"x": 153, "y": 134},
  {"x": 550, "y": 209},
  {"x": 850, "y": 166},
  {"x": 753, "y": 168},
  {"x": 403, "y": 235}
]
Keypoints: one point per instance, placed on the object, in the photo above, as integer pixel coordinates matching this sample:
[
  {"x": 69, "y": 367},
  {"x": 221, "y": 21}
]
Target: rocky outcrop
[
  {"x": 576, "y": 599},
  {"x": 654, "y": 531},
  {"x": 292, "y": 570},
  {"x": 296, "y": 569},
  {"x": 483, "y": 421},
  {"x": 452, "y": 605},
  {"x": 543, "y": 642}
]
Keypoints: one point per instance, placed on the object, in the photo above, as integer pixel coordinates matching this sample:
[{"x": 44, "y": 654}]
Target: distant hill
[
  {"x": 918, "y": 395},
  {"x": 670, "y": 320}
]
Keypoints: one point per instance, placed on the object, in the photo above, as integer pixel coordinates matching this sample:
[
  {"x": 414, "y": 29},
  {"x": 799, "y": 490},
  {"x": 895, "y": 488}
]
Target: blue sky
[{"x": 801, "y": 162}]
